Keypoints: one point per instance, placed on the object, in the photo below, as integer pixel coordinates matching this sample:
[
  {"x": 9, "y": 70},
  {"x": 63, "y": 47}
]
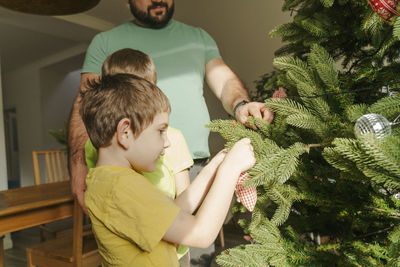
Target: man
[{"x": 183, "y": 55}]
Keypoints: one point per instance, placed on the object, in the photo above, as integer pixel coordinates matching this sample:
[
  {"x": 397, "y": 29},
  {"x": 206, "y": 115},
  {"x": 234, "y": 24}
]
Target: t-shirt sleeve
[
  {"x": 91, "y": 155},
  {"x": 178, "y": 152},
  {"x": 211, "y": 48},
  {"x": 139, "y": 212},
  {"x": 96, "y": 54}
]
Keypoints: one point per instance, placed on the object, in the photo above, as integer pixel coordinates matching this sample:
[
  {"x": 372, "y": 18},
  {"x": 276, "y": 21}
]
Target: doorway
[{"x": 12, "y": 150}]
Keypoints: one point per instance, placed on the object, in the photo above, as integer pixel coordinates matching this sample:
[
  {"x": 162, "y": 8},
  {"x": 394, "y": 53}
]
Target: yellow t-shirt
[
  {"x": 129, "y": 218},
  {"x": 176, "y": 159}
]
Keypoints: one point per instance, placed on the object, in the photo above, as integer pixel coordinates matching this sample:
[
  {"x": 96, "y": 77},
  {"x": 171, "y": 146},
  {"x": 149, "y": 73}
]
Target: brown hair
[
  {"x": 119, "y": 96},
  {"x": 130, "y": 61}
]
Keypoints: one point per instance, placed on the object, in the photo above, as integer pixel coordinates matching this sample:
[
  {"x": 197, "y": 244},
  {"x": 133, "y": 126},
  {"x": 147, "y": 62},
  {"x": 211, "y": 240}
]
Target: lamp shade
[{"x": 49, "y": 7}]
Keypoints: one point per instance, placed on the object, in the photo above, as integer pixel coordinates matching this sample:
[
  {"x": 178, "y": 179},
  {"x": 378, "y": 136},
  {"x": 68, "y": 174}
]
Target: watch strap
[{"x": 243, "y": 102}]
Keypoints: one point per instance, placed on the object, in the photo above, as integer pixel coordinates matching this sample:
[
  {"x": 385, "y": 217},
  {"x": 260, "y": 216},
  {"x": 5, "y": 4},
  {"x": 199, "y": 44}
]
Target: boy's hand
[
  {"x": 214, "y": 163},
  {"x": 241, "y": 155}
]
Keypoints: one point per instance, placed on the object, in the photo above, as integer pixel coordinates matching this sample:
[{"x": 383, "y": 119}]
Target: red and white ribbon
[{"x": 248, "y": 195}]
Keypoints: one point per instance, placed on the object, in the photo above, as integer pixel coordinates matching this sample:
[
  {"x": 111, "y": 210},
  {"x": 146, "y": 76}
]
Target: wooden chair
[
  {"x": 56, "y": 167},
  {"x": 69, "y": 250},
  {"x": 50, "y": 166}
]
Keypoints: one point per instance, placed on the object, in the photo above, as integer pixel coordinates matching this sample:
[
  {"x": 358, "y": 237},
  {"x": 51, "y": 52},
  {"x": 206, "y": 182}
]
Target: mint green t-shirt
[{"x": 180, "y": 53}]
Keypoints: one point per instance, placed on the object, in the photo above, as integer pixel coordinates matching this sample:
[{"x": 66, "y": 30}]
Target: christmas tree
[{"x": 328, "y": 167}]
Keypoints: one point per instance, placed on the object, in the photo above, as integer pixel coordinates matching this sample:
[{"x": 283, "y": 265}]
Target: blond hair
[{"x": 130, "y": 61}]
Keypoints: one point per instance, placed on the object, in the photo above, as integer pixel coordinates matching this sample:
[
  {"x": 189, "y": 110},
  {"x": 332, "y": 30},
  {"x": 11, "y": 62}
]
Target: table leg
[{"x": 2, "y": 251}]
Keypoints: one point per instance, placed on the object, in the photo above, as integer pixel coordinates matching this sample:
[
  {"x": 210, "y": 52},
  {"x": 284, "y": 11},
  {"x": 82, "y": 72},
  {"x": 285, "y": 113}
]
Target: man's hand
[
  {"x": 255, "y": 109},
  {"x": 78, "y": 183}
]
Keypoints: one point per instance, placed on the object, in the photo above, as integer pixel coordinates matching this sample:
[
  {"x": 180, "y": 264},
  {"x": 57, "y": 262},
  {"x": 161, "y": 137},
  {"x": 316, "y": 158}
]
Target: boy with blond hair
[{"x": 126, "y": 118}]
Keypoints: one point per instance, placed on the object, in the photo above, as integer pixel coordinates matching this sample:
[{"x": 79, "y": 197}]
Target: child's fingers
[
  {"x": 245, "y": 140},
  {"x": 241, "y": 155}
]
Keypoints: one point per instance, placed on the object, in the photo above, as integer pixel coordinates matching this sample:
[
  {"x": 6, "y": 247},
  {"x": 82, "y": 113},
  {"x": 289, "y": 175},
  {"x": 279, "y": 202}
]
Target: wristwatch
[{"x": 243, "y": 102}]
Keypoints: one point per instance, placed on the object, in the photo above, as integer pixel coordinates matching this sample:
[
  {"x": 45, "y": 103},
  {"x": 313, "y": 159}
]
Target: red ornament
[{"x": 385, "y": 9}]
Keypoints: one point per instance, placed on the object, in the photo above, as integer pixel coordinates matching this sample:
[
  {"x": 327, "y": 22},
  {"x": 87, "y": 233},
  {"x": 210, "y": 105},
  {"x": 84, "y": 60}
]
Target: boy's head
[
  {"x": 118, "y": 97},
  {"x": 132, "y": 62}
]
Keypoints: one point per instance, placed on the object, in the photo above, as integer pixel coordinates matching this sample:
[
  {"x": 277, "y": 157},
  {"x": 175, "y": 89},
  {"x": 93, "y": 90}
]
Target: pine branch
[
  {"x": 390, "y": 213},
  {"x": 317, "y": 106},
  {"x": 358, "y": 61},
  {"x": 286, "y": 29},
  {"x": 314, "y": 27},
  {"x": 388, "y": 107},
  {"x": 354, "y": 112},
  {"x": 323, "y": 63},
  {"x": 286, "y": 106},
  {"x": 394, "y": 247},
  {"x": 371, "y": 146},
  {"x": 296, "y": 66},
  {"x": 396, "y": 28},
  {"x": 327, "y": 3}
]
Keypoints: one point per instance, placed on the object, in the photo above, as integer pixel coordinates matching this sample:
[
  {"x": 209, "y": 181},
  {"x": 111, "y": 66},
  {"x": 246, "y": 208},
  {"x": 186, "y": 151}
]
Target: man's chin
[
  {"x": 158, "y": 26},
  {"x": 159, "y": 21}
]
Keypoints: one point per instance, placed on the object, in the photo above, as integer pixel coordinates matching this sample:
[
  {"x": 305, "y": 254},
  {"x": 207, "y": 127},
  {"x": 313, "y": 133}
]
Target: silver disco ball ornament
[{"x": 373, "y": 123}]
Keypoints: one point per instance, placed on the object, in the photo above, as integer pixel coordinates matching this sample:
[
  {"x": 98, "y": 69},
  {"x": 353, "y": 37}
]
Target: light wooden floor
[{"x": 16, "y": 257}]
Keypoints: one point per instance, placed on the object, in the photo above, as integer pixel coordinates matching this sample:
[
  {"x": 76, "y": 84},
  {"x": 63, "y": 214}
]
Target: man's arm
[
  {"x": 77, "y": 138},
  {"x": 230, "y": 91}
]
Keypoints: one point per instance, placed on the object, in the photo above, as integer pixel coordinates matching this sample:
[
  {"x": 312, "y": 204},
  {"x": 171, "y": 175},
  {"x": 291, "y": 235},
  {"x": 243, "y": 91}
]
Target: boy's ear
[{"x": 124, "y": 133}]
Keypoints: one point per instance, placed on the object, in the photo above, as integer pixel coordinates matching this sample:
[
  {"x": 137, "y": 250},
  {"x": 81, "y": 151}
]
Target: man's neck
[{"x": 141, "y": 24}]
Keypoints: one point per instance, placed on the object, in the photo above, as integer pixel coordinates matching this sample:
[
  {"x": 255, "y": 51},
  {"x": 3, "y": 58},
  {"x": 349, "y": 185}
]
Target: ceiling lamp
[{"x": 49, "y": 7}]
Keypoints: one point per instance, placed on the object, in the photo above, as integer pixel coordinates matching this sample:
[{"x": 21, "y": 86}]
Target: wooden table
[{"x": 26, "y": 207}]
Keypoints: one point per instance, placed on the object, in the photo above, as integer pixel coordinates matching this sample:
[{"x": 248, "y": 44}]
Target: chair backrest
[{"x": 55, "y": 164}]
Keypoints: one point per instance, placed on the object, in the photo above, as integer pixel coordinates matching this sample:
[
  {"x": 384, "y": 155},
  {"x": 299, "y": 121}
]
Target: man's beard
[{"x": 148, "y": 20}]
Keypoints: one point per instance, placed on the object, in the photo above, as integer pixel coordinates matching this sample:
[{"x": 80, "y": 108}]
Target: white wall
[
  {"x": 59, "y": 87},
  {"x": 3, "y": 159},
  {"x": 23, "y": 94},
  {"x": 29, "y": 90}
]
